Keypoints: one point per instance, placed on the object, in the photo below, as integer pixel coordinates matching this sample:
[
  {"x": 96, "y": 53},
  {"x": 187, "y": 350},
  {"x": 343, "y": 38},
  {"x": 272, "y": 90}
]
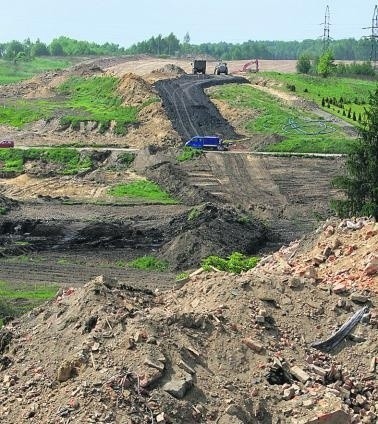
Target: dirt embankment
[
  {"x": 153, "y": 126},
  {"x": 221, "y": 349}
]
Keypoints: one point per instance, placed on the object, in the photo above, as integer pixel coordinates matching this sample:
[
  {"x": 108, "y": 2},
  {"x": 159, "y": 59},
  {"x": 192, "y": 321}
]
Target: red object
[{"x": 6, "y": 143}]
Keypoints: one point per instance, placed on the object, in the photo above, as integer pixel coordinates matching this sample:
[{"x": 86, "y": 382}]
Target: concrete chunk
[{"x": 299, "y": 374}]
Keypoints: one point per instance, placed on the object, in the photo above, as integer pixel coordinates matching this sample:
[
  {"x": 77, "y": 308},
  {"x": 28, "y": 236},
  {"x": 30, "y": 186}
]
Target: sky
[{"x": 126, "y": 22}]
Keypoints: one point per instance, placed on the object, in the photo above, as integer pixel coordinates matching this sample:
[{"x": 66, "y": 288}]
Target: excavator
[{"x": 247, "y": 67}]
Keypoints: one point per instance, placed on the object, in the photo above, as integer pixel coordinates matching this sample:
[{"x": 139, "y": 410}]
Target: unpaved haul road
[{"x": 189, "y": 108}]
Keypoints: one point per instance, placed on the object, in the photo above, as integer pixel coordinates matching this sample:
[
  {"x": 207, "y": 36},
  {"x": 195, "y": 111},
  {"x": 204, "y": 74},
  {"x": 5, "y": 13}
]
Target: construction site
[{"x": 292, "y": 338}]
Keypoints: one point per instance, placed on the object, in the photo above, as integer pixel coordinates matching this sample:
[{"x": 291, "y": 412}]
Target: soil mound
[
  {"x": 169, "y": 69},
  {"x": 175, "y": 181},
  {"x": 222, "y": 348},
  {"x": 211, "y": 229},
  {"x": 135, "y": 90}
]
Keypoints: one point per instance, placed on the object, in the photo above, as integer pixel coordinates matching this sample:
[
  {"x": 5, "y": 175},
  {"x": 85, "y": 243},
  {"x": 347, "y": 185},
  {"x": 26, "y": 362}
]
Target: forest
[{"x": 170, "y": 45}]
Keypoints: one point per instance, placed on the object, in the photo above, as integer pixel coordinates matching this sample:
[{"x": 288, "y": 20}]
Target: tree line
[
  {"x": 170, "y": 45},
  {"x": 345, "y": 49},
  {"x": 62, "y": 46}
]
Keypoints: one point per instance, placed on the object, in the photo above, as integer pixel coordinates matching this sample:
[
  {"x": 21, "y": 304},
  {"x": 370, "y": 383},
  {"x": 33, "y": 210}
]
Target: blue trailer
[{"x": 207, "y": 142}]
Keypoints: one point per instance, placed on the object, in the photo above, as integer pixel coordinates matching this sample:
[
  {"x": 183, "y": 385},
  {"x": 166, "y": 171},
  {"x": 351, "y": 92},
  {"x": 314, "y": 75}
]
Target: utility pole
[
  {"x": 326, "y": 24},
  {"x": 374, "y": 37}
]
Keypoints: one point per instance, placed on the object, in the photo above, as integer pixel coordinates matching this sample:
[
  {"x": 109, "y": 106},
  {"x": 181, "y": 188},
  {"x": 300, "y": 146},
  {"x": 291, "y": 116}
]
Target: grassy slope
[
  {"x": 142, "y": 189},
  {"x": 272, "y": 118},
  {"x": 16, "y": 300},
  {"x": 10, "y": 72},
  {"x": 70, "y": 160},
  {"x": 350, "y": 89},
  {"x": 84, "y": 99}
]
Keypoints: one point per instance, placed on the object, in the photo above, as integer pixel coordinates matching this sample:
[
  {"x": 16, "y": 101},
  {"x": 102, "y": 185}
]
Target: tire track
[{"x": 190, "y": 110}]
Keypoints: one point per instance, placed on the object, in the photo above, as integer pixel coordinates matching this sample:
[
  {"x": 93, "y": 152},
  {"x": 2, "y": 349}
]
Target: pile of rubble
[{"x": 219, "y": 348}]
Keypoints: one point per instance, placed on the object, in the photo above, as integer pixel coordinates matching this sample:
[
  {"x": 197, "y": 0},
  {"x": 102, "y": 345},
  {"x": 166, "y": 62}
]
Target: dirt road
[
  {"x": 291, "y": 193},
  {"x": 190, "y": 109},
  {"x": 145, "y": 65}
]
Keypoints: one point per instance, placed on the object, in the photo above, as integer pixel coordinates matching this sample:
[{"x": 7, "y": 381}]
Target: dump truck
[
  {"x": 208, "y": 142},
  {"x": 221, "y": 68},
  {"x": 199, "y": 67}
]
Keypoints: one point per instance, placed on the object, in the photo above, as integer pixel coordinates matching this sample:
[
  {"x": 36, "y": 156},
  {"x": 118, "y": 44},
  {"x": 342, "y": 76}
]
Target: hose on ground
[{"x": 309, "y": 127}]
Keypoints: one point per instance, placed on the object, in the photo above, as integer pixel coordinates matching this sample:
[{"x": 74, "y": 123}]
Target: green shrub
[
  {"x": 235, "y": 263},
  {"x": 126, "y": 158},
  {"x": 149, "y": 263},
  {"x": 194, "y": 213},
  {"x": 189, "y": 153},
  {"x": 182, "y": 276}
]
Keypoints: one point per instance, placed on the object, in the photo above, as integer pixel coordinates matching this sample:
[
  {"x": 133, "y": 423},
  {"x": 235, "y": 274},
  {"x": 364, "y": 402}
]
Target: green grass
[
  {"x": 272, "y": 117},
  {"x": 354, "y": 92},
  {"x": 188, "y": 153},
  {"x": 10, "y": 72},
  {"x": 235, "y": 263},
  {"x": 71, "y": 161},
  {"x": 142, "y": 189},
  {"x": 98, "y": 99},
  {"x": 18, "y": 299},
  {"x": 149, "y": 263}
]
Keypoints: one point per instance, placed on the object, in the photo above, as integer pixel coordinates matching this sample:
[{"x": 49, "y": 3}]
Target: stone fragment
[
  {"x": 196, "y": 272},
  {"x": 161, "y": 418},
  {"x": 178, "y": 388},
  {"x": 318, "y": 370},
  {"x": 339, "y": 288},
  {"x": 299, "y": 374},
  {"x": 373, "y": 364},
  {"x": 335, "y": 417},
  {"x": 372, "y": 266},
  {"x": 308, "y": 403},
  {"x": 358, "y": 298},
  {"x": 150, "y": 376},
  {"x": 186, "y": 367},
  {"x": 95, "y": 347},
  {"x": 253, "y": 344},
  {"x": 311, "y": 272},
  {"x": 288, "y": 393},
  {"x": 295, "y": 283},
  {"x": 151, "y": 362},
  {"x": 67, "y": 370}
]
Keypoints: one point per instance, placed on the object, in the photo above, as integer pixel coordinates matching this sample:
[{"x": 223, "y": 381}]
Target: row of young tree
[{"x": 346, "y": 49}]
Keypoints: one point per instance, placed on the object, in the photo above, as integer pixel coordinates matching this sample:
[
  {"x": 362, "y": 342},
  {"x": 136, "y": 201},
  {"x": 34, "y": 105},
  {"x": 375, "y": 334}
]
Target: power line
[
  {"x": 374, "y": 36},
  {"x": 326, "y": 31}
]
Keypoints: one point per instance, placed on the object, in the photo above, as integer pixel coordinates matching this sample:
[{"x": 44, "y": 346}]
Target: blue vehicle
[{"x": 207, "y": 142}]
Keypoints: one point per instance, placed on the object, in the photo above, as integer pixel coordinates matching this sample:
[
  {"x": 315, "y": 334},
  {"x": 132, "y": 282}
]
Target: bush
[
  {"x": 189, "y": 153},
  {"x": 126, "y": 158},
  {"x": 149, "y": 263},
  {"x": 303, "y": 64},
  {"x": 235, "y": 263}
]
